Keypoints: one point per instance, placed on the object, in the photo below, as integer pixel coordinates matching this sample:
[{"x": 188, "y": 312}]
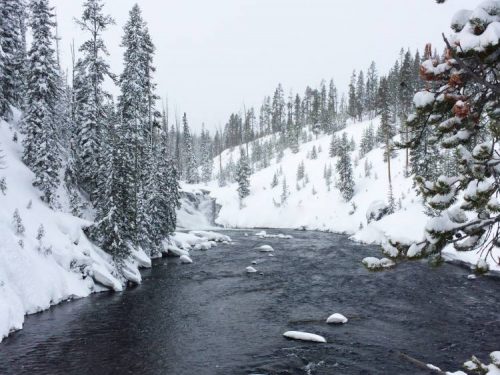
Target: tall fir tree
[
  {"x": 92, "y": 71},
  {"x": 243, "y": 173},
  {"x": 41, "y": 146},
  {"x": 191, "y": 166},
  {"x": 344, "y": 169}
]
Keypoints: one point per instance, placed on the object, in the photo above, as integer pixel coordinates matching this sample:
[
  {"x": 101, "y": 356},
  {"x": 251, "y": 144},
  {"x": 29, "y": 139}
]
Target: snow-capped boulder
[
  {"x": 101, "y": 275},
  {"x": 175, "y": 251},
  {"x": 415, "y": 251},
  {"x": 495, "y": 358},
  {"x": 389, "y": 250},
  {"x": 374, "y": 264},
  {"x": 337, "y": 319},
  {"x": 304, "y": 336},
  {"x": 376, "y": 211},
  {"x": 131, "y": 273},
  {"x": 185, "y": 259},
  {"x": 251, "y": 270},
  {"x": 482, "y": 266},
  {"x": 261, "y": 234},
  {"x": 266, "y": 249},
  {"x": 471, "y": 277},
  {"x": 140, "y": 257}
]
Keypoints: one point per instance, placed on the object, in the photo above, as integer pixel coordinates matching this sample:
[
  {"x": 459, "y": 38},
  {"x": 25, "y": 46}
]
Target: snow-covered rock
[
  {"x": 337, "y": 319},
  {"x": 185, "y": 259},
  {"x": 141, "y": 258},
  {"x": 304, "y": 336},
  {"x": 376, "y": 211},
  {"x": 374, "y": 264},
  {"x": 389, "y": 250},
  {"x": 251, "y": 270},
  {"x": 265, "y": 248}
]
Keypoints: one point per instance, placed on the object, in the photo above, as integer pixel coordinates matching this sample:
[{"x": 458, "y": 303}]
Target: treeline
[
  {"x": 282, "y": 123},
  {"x": 111, "y": 155}
]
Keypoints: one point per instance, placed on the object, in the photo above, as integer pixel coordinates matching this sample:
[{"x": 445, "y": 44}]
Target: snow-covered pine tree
[
  {"x": 351, "y": 106},
  {"x": 461, "y": 106},
  {"x": 112, "y": 225},
  {"x": 191, "y": 166},
  {"x": 91, "y": 73},
  {"x": 13, "y": 45},
  {"x": 207, "y": 163},
  {"x": 334, "y": 146},
  {"x": 301, "y": 171},
  {"x": 134, "y": 110},
  {"x": 41, "y": 147},
  {"x": 285, "y": 193},
  {"x": 360, "y": 96},
  {"x": 344, "y": 170},
  {"x": 243, "y": 173}
]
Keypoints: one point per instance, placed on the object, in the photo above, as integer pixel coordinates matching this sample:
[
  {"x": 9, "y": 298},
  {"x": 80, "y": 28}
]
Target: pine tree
[
  {"x": 352, "y": 104},
  {"x": 91, "y": 72},
  {"x": 207, "y": 163},
  {"x": 13, "y": 47},
  {"x": 466, "y": 122},
  {"x": 344, "y": 170},
  {"x": 243, "y": 176},
  {"x": 17, "y": 222},
  {"x": 191, "y": 171},
  {"x": 41, "y": 150},
  {"x": 301, "y": 171},
  {"x": 284, "y": 192}
]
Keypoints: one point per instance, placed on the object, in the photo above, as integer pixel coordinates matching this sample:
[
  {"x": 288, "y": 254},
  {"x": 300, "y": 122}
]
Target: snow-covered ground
[
  {"x": 37, "y": 272},
  {"x": 315, "y": 207}
]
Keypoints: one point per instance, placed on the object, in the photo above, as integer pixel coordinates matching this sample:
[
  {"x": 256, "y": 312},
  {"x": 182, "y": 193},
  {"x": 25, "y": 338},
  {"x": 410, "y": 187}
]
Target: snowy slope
[
  {"x": 64, "y": 264},
  {"x": 313, "y": 207}
]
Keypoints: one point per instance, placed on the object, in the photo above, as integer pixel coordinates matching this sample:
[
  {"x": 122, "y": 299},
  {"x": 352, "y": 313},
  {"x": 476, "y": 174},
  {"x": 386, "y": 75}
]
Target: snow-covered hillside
[
  {"x": 316, "y": 207},
  {"x": 43, "y": 267}
]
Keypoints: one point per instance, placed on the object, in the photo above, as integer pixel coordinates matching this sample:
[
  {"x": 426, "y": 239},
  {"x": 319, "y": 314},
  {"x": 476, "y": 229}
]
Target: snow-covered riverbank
[
  {"x": 313, "y": 204},
  {"x": 45, "y": 257}
]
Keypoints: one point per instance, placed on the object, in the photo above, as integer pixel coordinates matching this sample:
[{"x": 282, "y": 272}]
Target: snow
[
  {"x": 185, "y": 259},
  {"x": 251, "y": 269},
  {"x": 337, "y": 319},
  {"x": 265, "y": 248},
  {"x": 304, "y": 336},
  {"x": 263, "y": 234},
  {"x": 423, "y": 99}
]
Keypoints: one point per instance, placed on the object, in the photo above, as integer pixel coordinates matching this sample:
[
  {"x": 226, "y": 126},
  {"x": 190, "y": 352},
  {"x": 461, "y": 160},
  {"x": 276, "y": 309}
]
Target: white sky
[{"x": 214, "y": 56}]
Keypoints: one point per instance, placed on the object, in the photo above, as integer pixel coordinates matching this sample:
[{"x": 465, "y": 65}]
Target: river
[{"x": 212, "y": 317}]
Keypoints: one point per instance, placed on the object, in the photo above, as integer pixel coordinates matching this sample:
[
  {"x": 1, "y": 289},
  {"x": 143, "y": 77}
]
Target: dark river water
[{"x": 212, "y": 317}]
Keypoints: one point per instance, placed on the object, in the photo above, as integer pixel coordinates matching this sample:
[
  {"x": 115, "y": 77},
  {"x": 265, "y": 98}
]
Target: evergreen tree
[
  {"x": 352, "y": 104},
  {"x": 301, "y": 171},
  {"x": 284, "y": 192},
  {"x": 207, "y": 163},
  {"x": 191, "y": 171},
  {"x": 467, "y": 123},
  {"x": 13, "y": 47},
  {"x": 41, "y": 147},
  {"x": 344, "y": 170},
  {"x": 243, "y": 176},
  {"x": 91, "y": 72}
]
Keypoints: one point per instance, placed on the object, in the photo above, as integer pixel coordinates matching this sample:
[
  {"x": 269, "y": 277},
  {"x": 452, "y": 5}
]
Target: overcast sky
[{"x": 214, "y": 56}]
